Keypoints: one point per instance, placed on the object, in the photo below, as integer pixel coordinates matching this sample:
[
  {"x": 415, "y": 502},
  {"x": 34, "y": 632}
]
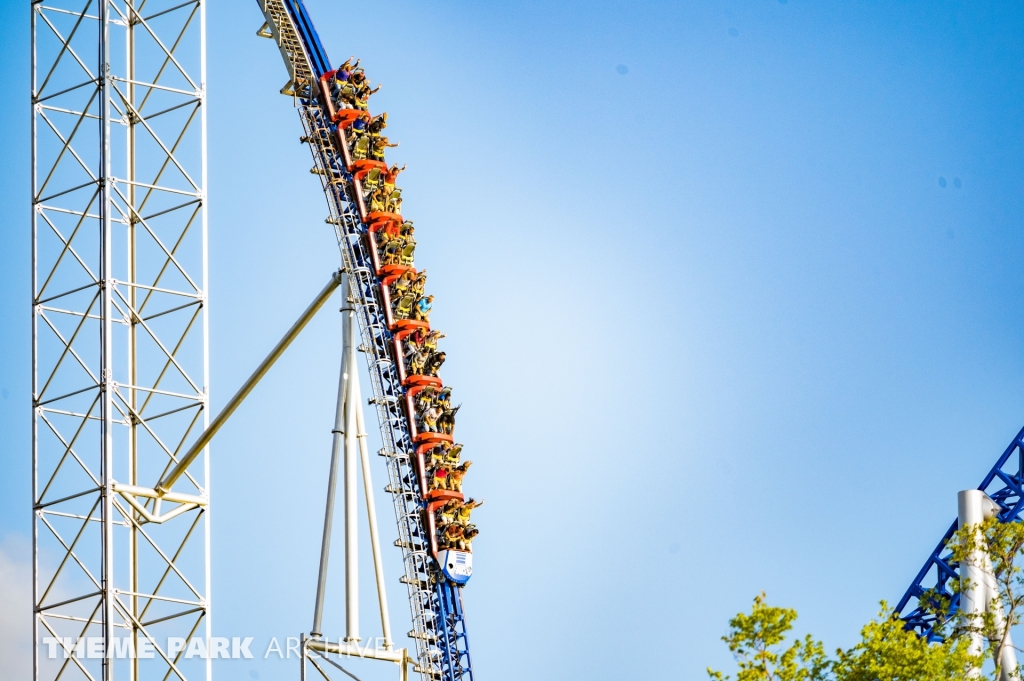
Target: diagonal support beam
[{"x": 165, "y": 485}]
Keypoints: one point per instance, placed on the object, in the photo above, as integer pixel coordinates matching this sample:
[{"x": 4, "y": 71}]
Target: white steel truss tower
[{"x": 120, "y": 357}]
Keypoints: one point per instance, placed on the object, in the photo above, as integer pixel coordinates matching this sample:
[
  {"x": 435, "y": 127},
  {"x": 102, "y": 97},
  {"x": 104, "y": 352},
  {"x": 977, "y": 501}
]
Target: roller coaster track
[
  {"x": 439, "y": 628},
  {"x": 438, "y": 620},
  {"x": 1005, "y": 485}
]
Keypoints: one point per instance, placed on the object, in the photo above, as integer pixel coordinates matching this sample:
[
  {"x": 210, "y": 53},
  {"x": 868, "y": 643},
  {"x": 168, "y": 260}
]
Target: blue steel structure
[
  {"x": 1005, "y": 485},
  {"x": 439, "y": 626}
]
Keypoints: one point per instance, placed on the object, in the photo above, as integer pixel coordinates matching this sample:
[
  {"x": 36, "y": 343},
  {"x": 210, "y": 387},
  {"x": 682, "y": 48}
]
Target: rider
[
  {"x": 429, "y": 417},
  {"x": 439, "y": 478},
  {"x": 468, "y": 534},
  {"x": 433, "y": 365},
  {"x": 378, "y": 145},
  {"x": 417, "y": 338},
  {"x": 377, "y": 124},
  {"x": 419, "y": 283},
  {"x": 451, "y": 455},
  {"x": 417, "y": 362},
  {"x": 340, "y": 79},
  {"x": 438, "y": 456},
  {"x": 463, "y": 512},
  {"x": 446, "y": 514},
  {"x": 444, "y": 397},
  {"x": 456, "y": 474},
  {"x": 451, "y": 536},
  {"x": 392, "y": 174},
  {"x": 430, "y": 342},
  {"x": 348, "y": 67},
  {"x": 425, "y": 398},
  {"x": 363, "y": 93},
  {"x": 423, "y": 307},
  {"x": 447, "y": 420},
  {"x": 404, "y": 282},
  {"x": 377, "y": 199}
]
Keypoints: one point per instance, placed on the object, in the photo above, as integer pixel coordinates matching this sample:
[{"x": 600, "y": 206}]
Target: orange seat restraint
[{"x": 346, "y": 117}]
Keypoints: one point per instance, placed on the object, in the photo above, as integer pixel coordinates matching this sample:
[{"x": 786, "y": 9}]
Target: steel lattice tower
[{"x": 120, "y": 356}]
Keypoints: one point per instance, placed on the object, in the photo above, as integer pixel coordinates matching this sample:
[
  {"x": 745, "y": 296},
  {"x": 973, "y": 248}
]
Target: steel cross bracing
[
  {"x": 119, "y": 336},
  {"x": 1005, "y": 485},
  {"x": 442, "y": 647}
]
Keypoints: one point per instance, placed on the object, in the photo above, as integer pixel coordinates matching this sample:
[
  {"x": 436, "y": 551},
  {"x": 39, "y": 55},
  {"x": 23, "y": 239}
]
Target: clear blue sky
[{"x": 733, "y": 295}]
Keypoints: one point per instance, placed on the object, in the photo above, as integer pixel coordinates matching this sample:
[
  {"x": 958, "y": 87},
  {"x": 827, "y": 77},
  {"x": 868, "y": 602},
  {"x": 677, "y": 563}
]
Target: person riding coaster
[
  {"x": 425, "y": 401},
  {"x": 392, "y": 254},
  {"x": 469, "y": 532},
  {"x": 454, "y": 475},
  {"x": 464, "y": 510},
  {"x": 444, "y": 398},
  {"x": 363, "y": 93},
  {"x": 378, "y": 123},
  {"x": 428, "y": 419},
  {"x": 433, "y": 364},
  {"x": 452, "y": 454},
  {"x": 446, "y": 420},
  {"x": 343, "y": 92},
  {"x": 348, "y": 67},
  {"x": 413, "y": 345},
  {"x": 438, "y": 455},
  {"x": 452, "y": 536},
  {"x": 403, "y": 284},
  {"x": 425, "y": 398},
  {"x": 378, "y": 145},
  {"x": 421, "y": 311},
  {"x": 391, "y": 176},
  {"x": 447, "y": 513},
  {"x": 439, "y": 478},
  {"x": 420, "y": 340},
  {"x": 416, "y": 362},
  {"x": 376, "y": 200},
  {"x": 430, "y": 342},
  {"x": 386, "y": 235},
  {"x": 419, "y": 283}
]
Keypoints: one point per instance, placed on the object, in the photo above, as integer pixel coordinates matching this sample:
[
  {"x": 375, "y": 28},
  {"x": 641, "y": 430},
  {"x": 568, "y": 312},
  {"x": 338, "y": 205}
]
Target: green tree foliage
[
  {"x": 756, "y": 641},
  {"x": 886, "y": 652}
]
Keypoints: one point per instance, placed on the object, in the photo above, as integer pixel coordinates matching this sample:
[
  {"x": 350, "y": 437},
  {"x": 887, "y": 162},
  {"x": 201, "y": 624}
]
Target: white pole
[
  {"x": 351, "y": 479},
  {"x": 337, "y": 439},
  {"x": 970, "y": 511},
  {"x": 979, "y": 592},
  {"x": 371, "y": 513}
]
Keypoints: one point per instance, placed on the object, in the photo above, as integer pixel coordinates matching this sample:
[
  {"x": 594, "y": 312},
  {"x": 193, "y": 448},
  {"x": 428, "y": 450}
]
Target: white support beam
[
  {"x": 196, "y": 449},
  {"x": 979, "y": 590},
  {"x": 351, "y": 477}
]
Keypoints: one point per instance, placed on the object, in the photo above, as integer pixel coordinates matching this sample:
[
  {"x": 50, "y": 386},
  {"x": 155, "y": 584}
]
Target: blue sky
[{"x": 732, "y": 293}]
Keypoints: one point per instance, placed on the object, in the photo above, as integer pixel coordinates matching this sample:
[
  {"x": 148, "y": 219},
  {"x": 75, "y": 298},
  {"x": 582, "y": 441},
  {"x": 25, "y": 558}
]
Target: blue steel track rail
[
  {"x": 1005, "y": 485},
  {"x": 439, "y": 626},
  {"x": 310, "y": 38}
]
